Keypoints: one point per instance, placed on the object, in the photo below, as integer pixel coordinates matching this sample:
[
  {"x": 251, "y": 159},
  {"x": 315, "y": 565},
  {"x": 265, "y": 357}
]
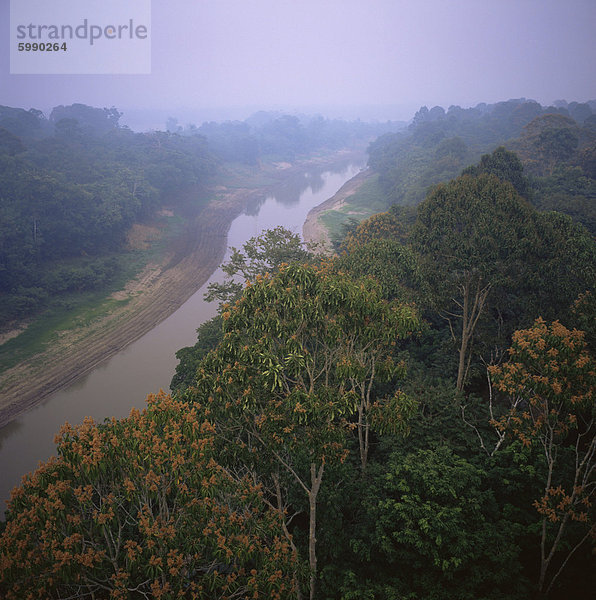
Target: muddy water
[{"x": 148, "y": 364}]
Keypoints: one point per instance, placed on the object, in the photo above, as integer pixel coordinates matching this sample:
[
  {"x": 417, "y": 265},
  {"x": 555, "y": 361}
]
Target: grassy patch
[
  {"x": 70, "y": 313},
  {"x": 368, "y": 200}
]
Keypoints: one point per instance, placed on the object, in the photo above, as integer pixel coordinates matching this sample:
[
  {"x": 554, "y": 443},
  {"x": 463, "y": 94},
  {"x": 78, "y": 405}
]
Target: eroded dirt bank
[{"x": 313, "y": 230}]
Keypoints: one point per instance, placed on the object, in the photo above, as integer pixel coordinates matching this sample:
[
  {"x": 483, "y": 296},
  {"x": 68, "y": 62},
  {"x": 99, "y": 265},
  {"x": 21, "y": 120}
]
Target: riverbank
[
  {"x": 314, "y": 230},
  {"x": 156, "y": 293}
]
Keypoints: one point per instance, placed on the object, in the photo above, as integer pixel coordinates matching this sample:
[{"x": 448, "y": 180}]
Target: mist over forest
[
  {"x": 371, "y": 423},
  {"x": 393, "y": 399}
]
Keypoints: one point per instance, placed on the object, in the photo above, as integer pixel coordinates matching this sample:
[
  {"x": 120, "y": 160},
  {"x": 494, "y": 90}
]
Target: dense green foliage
[
  {"x": 436, "y": 516},
  {"x": 487, "y": 254},
  {"x": 72, "y": 185},
  {"x": 259, "y": 256},
  {"x": 489, "y": 263},
  {"x": 412, "y": 419},
  {"x": 275, "y": 136},
  {"x": 554, "y": 145},
  {"x": 68, "y": 200},
  {"x": 460, "y": 507},
  {"x": 294, "y": 373},
  {"x": 439, "y": 144},
  {"x": 506, "y": 166}
]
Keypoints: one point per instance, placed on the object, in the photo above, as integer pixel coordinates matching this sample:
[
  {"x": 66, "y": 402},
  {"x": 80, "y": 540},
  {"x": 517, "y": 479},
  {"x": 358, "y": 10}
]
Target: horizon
[
  {"x": 148, "y": 119},
  {"x": 379, "y": 61}
]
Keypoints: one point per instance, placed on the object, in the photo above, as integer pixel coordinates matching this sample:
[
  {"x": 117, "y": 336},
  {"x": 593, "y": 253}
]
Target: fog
[{"x": 374, "y": 59}]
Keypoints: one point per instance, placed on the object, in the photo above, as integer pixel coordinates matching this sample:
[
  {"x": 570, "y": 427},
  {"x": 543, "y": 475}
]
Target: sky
[{"x": 352, "y": 58}]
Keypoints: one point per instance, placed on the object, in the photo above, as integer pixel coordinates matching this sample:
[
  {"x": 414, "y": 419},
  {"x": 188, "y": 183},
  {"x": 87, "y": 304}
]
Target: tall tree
[
  {"x": 393, "y": 264},
  {"x": 506, "y": 166},
  {"x": 471, "y": 234},
  {"x": 261, "y": 254},
  {"x": 547, "y": 142},
  {"x": 301, "y": 353},
  {"x": 550, "y": 379}
]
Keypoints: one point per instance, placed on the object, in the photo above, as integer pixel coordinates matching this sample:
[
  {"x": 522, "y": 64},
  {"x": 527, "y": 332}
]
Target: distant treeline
[
  {"x": 556, "y": 144},
  {"x": 276, "y": 136},
  {"x": 72, "y": 184}
]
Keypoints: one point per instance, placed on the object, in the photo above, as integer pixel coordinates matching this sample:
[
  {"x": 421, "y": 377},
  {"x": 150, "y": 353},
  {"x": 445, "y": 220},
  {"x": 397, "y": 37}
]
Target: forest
[
  {"x": 73, "y": 184},
  {"x": 410, "y": 418}
]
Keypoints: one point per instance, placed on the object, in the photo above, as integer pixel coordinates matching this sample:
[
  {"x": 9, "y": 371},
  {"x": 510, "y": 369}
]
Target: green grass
[
  {"x": 76, "y": 311},
  {"x": 367, "y": 201}
]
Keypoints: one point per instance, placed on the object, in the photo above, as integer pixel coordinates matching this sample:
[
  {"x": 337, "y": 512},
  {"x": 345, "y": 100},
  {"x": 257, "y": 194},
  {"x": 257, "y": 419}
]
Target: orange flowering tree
[
  {"x": 296, "y": 371},
  {"x": 550, "y": 379},
  {"x": 138, "y": 507}
]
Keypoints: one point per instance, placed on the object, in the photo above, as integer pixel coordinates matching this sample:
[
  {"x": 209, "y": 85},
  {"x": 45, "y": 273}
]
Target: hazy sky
[{"x": 345, "y": 53}]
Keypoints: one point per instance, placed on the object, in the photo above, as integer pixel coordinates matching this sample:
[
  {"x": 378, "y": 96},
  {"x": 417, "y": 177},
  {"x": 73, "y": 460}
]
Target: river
[{"x": 148, "y": 364}]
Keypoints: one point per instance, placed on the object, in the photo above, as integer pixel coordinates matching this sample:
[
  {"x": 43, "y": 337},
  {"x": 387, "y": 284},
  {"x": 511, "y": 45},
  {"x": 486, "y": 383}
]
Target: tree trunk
[
  {"x": 461, "y": 367},
  {"x": 363, "y": 436},
  {"x": 315, "y": 478},
  {"x": 469, "y": 316},
  {"x": 463, "y": 347}
]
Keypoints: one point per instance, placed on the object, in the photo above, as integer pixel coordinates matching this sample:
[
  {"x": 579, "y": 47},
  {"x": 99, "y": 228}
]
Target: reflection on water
[
  {"x": 148, "y": 364},
  {"x": 289, "y": 193},
  {"x": 9, "y": 431}
]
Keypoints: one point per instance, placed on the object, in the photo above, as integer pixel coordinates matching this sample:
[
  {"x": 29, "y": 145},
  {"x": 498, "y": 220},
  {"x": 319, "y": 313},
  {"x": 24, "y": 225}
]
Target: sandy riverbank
[
  {"x": 313, "y": 231},
  {"x": 164, "y": 288}
]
